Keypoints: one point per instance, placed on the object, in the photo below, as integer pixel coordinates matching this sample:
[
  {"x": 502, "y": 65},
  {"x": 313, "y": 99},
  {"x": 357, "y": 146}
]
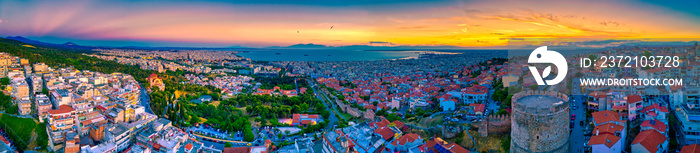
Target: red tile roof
[
  {"x": 382, "y": 123},
  {"x": 633, "y": 98},
  {"x": 62, "y": 109},
  {"x": 652, "y": 114},
  {"x": 153, "y": 75},
  {"x": 385, "y": 132},
  {"x": 188, "y": 146},
  {"x": 606, "y": 139},
  {"x": 655, "y": 106},
  {"x": 658, "y": 125},
  {"x": 313, "y": 116},
  {"x": 372, "y": 107},
  {"x": 236, "y": 150},
  {"x": 456, "y": 148},
  {"x": 305, "y": 122},
  {"x": 609, "y": 128},
  {"x": 649, "y": 139},
  {"x": 601, "y": 117},
  {"x": 478, "y": 107},
  {"x": 406, "y": 139},
  {"x": 398, "y": 124},
  {"x": 4, "y": 140},
  {"x": 431, "y": 143},
  {"x": 693, "y": 148},
  {"x": 598, "y": 94}
]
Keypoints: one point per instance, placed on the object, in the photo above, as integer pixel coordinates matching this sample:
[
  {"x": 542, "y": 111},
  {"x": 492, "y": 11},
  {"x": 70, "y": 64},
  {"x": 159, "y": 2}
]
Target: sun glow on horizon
[{"x": 453, "y": 23}]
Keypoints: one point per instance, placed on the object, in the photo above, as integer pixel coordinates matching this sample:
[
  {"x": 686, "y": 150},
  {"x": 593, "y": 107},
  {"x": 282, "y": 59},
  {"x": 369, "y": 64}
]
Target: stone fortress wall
[
  {"x": 350, "y": 110},
  {"x": 494, "y": 124},
  {"x": 537, "y": 127}
]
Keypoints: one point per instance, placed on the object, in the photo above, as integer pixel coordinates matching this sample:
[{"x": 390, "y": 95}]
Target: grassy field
[
  {"x": 346, "y": 115},
  {"x": 179, "y": 94},
  {"x": 202, "y": 120},
  {"x": 428, "y": 122},
  {"x": 42, "y": 136},
  {"x": 215, "y": 103},
  {"x": 488, "y": 144},
  {"x": 20, "y": 130}
]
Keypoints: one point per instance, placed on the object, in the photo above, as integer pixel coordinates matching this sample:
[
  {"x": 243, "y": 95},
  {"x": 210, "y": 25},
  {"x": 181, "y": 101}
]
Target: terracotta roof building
[
  {"x": 606, "y": 143},
  {"x": 606, "y": 116},
  {"x": 650, "y": 141},
  {"x": 657, "y": 125},
  {"x": 693, "y": 148}
]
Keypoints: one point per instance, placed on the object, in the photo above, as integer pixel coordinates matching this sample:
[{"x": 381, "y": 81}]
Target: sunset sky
[{"x": 365, "y": 22}]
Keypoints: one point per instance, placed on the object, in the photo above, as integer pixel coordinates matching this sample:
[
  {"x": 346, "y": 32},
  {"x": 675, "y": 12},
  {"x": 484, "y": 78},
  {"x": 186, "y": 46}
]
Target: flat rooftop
[{"x": 539, "y": 100}]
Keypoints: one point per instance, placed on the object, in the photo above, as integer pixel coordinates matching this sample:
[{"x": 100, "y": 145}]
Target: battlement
[
  {"x": 494, "y": 124},
  {"x": 539, "y": 122},
  {"x": 540, "y": 102}
]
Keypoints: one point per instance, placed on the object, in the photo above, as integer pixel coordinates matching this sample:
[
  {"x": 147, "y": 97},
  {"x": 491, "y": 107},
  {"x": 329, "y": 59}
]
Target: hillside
[
  {"x": 61, "y": 57},
  {"x": 57, "y": 56}
]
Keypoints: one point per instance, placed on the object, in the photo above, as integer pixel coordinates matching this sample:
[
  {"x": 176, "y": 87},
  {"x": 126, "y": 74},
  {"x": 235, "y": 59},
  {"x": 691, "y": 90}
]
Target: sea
[{"x": 336, "y": 54}]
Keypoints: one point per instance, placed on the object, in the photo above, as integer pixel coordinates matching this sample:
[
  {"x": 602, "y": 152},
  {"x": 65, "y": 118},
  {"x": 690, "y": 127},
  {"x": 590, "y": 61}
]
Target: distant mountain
[
  {"x": 295, "y": 46},
  {"x": 72, "y": 45},
  {"x": 401, "y": 48},
  {"x": 363, "y": 47},
  {"x": 25, "y": 40},
  {"x": 69, "y": 44},
  {"x": 39, "y": 43},
  {"x": 596, "y": 44},
  {"x": 300, "y": 46}
]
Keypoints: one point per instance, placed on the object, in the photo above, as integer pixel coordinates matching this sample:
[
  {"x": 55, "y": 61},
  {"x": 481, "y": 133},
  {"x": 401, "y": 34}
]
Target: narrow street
[
  {"x": 333, "y": 119},
  {"x": 577, "y": 139},
  {"x": 145, "y": 99}
]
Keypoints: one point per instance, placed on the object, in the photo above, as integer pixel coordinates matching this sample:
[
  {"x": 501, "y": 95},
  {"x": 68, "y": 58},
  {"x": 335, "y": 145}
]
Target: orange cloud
[{"x": 462, "y": 23}]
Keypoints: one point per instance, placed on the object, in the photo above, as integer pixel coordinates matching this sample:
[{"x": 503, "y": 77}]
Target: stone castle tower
[{"x": 540, "y": 122}]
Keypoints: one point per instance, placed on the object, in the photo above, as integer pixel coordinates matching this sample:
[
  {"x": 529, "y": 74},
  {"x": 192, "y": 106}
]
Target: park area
[{"x": 25, "y": 133}]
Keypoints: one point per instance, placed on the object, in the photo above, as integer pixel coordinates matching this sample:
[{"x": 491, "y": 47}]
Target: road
[
  {"x": 333, "y": 120},
  {"x": 212, "y": 144},
  {"x": 323, "y": 96},
  {"x": 220, "y": 144},
  {"x": 576, "y": 138},
  {"x": 219, "y": 135},
  {"x": 675, "y": 127},
  {"x": 145, "y": 99},
  {"x": 491, "y": 104}
]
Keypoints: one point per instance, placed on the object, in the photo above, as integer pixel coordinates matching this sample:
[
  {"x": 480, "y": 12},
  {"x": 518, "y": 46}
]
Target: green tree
[
  {"x": 5, "y": 81},
  {"x": 393, "y": 117},
  {"x": 263, "y": 122},
  {"x": 502, "y": 112},
  {"x": 194, "y": 119},
  {"x": 534, "y": 87},
  {"x": 274, "y": 121},
  {"x": 505, "y": 143},
  {"x": 248, "y": 136},
  {"x": 326, "y": 114},
  {"x": 45, "y": 91}
]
